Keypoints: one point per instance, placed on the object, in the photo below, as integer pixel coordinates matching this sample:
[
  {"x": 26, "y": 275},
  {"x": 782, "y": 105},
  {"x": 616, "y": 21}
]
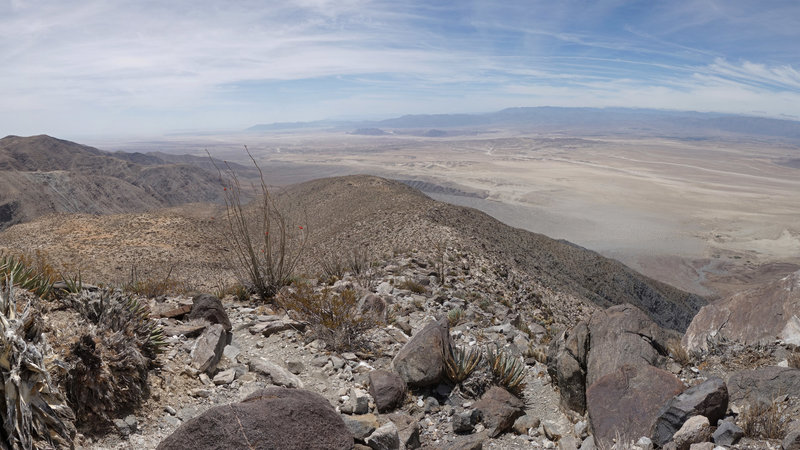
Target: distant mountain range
[
  {"x": 41, "y": 175},
  {"x": 648, "y": 122}
]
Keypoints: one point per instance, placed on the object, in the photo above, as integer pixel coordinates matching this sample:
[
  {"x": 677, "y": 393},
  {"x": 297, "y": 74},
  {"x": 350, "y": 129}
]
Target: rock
[
  {"x": 207, "y": 350},
  {"x": 763, "y": 384},
  {"x": 174, "y": 313},
  {"x": 270, "y": 418},
  {"x": 755, "y": 316},
  {"x": 122, "y": 427},
  {"x": 294, "y": 366},
  {"x": 792, "y": 440},
  {"x": 624, "y": 335},
  {"x": 464, "y": 422},
  {"x": 373, "y": 306},
  {"x": 267, "y": 329},
  {"x": 695, "y": 430},
  {"x": 581, "y": 429},
  {"x": 421, "y": 361},
  {"x": 703, "y": 446},
  {"x": 225, "y": 377},
  {"x": 727, "y": 433},
  {"x": 568, "y": 443},
  {"x": 588, "y": 444},
  {"x": 231, "y": 352},
  {"x": 385, "y": 437},
  {"x": 407, "y": 430},
  {"x": 188, "y": 330},
  {"x": 627, "y": 401},
  {"x": 644, "y": 443},
  {"x": 566, "y": 365},
  {"x": 471, "y": 442},
  {"x": 388, "y": 390},
  {"x": 357, "y": 403},
  {"x": 277, "y": 374},
  {"x": 361, "y": 426},
  {"x": 709, "y": 399},
  {"x": 552, "y": 430},
  {"x": 499, "y": 409},
  {"x": 209, "y": 308},
  {"x": 525, "y": 423}
]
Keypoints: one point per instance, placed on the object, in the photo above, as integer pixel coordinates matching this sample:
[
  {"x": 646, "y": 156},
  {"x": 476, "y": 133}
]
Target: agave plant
[
  {"x": 24, "y": 275},
  {"x": 462, "y": 362},
  {"x": 508, "y": 370},
  {"x": 108, "y": 365},
  {"x": 31, "y": 409}
]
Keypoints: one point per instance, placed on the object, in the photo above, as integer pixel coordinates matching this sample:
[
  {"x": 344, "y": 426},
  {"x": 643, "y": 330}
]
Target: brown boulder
[
  {"x": 627, "y": 401},
  {"x": 624, "y": 335},
  {"x": 420, "y": 362},
  {"x": 271, "y": 418},
  {"x": 387, "y": 389},
  {"x": 209, "y": 308},
  {"x": 566, "y": 365},
  {"x": 499, "y": 410},
  {"x": 756, "y": 316}
]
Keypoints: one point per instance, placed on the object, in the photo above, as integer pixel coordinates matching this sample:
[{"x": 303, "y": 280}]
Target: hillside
[
  {"x": 355, "y": 212},
  {"x": 41, "y": 175}
]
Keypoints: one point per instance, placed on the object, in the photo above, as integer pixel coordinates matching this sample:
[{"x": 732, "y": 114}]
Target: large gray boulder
[
  {"x": 709, "y": 399},
  {"x": 207, "y": 349},
  {"x": 420, "y": 362},
  {"x": 566, "y": 365},
  {"x": 756, "y": 316},
  {"x": 627, "y": 401},
  {"x": 624, "y": 335},
  {"x": 270, "y": 418},
  {"x": 764, "y": 384}
]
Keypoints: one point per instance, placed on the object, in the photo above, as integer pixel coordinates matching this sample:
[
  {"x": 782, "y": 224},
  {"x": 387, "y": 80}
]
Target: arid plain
[{"x": 706, "y": 215}]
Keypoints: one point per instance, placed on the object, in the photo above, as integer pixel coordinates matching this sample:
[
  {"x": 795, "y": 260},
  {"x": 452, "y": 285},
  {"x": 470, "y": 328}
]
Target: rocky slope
[{"x": 41, "y": 175}]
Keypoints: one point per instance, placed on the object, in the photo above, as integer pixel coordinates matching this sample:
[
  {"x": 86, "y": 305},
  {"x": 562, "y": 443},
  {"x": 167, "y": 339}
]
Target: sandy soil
[{"x": 699, "y": 214}]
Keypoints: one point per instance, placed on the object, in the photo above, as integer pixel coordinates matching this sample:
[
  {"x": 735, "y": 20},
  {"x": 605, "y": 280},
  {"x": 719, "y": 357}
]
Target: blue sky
[{"x": 143, "y": 67}]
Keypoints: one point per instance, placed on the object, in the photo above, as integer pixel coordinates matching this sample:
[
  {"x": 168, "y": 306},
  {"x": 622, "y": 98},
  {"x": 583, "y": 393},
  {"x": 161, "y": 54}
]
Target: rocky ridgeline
[{"x": 241, "y": 375}]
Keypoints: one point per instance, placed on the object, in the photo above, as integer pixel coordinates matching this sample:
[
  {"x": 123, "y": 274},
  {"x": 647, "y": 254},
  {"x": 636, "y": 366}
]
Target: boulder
[
  {"x": 385, "y": 437},
  {"x": 791, "y": 441},
  {"x": 624, "y": 335},
  {"x": 407, "y": 430},
  {"x": 763, "y": 384},
  {"x": 709, "y": 399},
  {"x": 499, "y": 409},
  {"x": 524, "y": 423},
  {"x": 756, "y": 316},
  {"x": 727, "y": 433},
  {"x": 207, "y": 349},
  {"x": 628, "y": 401},
  {"x": 566, "y": 365},
  {"x": 277, "y": 374},
  {"x": 387, "y": 389},
  {"x": 209, "y": 308},
  {"x": 465, "y": 421},
  {"x": 471, "y": 442},
  {"x": 361, "y": 426},
  {"x": 421, "y": 361},
  {"x": 270, "y": 418},
  {"x": 695, "y": 430}
]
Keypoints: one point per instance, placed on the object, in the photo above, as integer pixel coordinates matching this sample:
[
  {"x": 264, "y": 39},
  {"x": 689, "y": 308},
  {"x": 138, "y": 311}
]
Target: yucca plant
[
  {"x": 508, "y": 370},
  {"x": 24, "y": 275},
  {"x": 31, "y": 409},
  {"x": 461, "y": 362}
]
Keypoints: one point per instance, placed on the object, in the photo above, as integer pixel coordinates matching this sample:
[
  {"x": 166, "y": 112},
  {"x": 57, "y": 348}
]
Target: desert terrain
[{"x": 710, "y": 215}]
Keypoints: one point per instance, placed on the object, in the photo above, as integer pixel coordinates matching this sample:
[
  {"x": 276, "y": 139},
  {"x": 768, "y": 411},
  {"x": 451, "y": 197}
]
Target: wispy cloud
[{"x": 98, "y": 66}]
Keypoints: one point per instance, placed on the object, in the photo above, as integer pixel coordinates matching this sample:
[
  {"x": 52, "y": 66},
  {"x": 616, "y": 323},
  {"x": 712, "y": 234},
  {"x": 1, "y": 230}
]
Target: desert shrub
[
  {"x": 794, "y": 359},
  {"x": 762, "y": 420},
  {"x": 31, "y": 409},
  {"x": 267, "y": 244},
  {"x": 461, "y": 362},
  {"x": 334, "y": 317},
  {"x": 31, "y": 274},
  {"x": 508, "y": 370},
  {"x": 152, "y": 286},
  {"x": 333, "y": 267},
  {"x": 455, "y": 315},
  {"x": 108, "y": 365},
  {"x": 678, "y": 353},
  {"x": 413, "y": 286}
]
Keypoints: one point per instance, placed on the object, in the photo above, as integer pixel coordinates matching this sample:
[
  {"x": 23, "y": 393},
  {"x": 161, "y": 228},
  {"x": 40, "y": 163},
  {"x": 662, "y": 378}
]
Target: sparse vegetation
[
  {"x": 678, "y": 353},
  {"x": 455, "y": 315},
  {"x": 31, "y": 409},
  {"x": 462, "y": 362},
  {"x": 508, "y": 370},
  {"x": 152, "y": 286},
  {"x": 794, "y": 359},
  {"x": 762, "y": 420},
  {"x": 413, "y": 286},
  {"x": 267, "y": 243},
  {"x": 25, "y": 273},
  {"x": 333, "y": 317}
]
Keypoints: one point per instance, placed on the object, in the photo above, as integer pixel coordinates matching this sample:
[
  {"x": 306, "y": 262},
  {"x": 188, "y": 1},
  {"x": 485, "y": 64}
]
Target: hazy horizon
[{"x": 142, "y": 68}]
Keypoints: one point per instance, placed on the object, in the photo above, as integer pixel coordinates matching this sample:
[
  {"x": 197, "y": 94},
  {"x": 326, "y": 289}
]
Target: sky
[{"x": 141, "y": 67}]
